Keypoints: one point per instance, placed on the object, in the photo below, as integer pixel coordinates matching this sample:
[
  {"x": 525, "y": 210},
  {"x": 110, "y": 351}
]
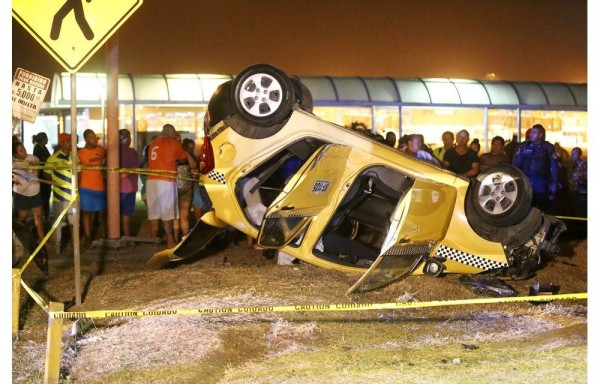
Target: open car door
[
  {"x": 308, "y": 194},
  {"x": 411, "y": 237}
]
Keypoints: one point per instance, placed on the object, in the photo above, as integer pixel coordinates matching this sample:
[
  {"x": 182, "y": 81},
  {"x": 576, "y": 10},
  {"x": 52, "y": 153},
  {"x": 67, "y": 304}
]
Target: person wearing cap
[
  {"x": 129, "y": 158},
  {"x": 58, "y": 169},
  {"x": 92, "y": 188}
]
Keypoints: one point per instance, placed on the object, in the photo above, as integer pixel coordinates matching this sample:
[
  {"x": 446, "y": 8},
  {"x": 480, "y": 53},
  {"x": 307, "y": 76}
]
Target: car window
[
  {"x": 309, "y": 192},
  {"x": 259, "y": 187}
]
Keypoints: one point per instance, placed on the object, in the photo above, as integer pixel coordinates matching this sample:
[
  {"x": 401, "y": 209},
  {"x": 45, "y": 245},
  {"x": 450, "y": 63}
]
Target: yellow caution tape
[
  {"x": 155, "y": 172},
  {"x": 35, "y": 297},
  {"x": 571, "y": 218},
  {"x": 311, "y": 307},
  {"x": 57, "y": 222},
  {"x": 137, "y": 171}
]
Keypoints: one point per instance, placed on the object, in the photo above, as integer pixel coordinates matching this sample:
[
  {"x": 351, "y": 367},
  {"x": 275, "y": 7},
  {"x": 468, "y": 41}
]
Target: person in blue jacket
[{"x": 538, "y": 159}]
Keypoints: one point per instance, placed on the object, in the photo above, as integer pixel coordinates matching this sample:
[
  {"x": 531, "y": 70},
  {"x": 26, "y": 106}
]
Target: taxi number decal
[{"x": 320, "y": 186}]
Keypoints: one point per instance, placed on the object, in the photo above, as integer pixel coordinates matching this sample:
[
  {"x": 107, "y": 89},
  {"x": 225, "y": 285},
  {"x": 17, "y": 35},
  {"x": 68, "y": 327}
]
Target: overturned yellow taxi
[{"x": 333, "y": 197}]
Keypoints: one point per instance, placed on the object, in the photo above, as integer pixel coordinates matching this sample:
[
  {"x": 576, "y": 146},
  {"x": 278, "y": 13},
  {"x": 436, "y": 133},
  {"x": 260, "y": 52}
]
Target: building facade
[{"x": 403, "y": 106}]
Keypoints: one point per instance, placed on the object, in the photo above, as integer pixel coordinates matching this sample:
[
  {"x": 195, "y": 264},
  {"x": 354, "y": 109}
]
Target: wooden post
[
  {"x": 54, "y": 344},
  {"x": 16, "y": 301},
  {"x": 113, "y": 146}
]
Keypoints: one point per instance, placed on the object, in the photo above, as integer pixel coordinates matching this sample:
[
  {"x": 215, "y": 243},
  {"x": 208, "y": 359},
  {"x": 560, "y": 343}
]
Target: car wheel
[
  {"x": 219, "y": 105},
  {"x": 500, "y": 196},
  {"x": 262, "y": 95},
  {"x": 302, "y": 94}
]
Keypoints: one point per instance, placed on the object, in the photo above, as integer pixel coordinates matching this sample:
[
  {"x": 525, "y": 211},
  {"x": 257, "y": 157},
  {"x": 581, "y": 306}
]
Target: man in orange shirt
[
  {"x": 161, "y": 189},
  {"x": 92, "y": 192}
]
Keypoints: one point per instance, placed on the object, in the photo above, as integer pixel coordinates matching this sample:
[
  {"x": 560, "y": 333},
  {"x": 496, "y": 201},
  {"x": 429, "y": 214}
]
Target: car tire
[
  {"x": 219, "y": 105},
  {"x": 500, "y": 196},
  {"x": 262, "y": 95},
  {"x": 302, "y": 94}
]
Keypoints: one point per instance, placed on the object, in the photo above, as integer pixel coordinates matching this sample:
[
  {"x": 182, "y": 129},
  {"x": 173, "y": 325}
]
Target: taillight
[{"x": 207, "y": 158}]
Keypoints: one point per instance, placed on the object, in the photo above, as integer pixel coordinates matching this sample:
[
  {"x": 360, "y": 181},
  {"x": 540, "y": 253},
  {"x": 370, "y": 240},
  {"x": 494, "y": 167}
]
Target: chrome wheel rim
[
  {"x": 260, "y": 95},
  {"x": 497, "y": 193}
]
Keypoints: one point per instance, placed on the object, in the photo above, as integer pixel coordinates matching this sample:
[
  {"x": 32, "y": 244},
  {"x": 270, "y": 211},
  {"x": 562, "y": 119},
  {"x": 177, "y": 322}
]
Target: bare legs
[
  {"x": 167, "y": 227},
  {"x": 37, "y": 220},
  {"x": 184, "y": 217},
  {"x": 153, "y": 228},
  {"x": 197, "y": 212},
  {"x": 88, "y": 219},
  {"x": 126, "y": 222}
]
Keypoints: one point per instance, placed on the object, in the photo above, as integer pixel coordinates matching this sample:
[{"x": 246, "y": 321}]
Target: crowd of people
[
  {"x": 171, "y": 190},
  {"x": 553, "y": 174}
]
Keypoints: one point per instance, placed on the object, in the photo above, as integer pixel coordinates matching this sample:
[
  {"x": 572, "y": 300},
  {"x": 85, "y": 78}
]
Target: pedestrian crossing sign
[{"x": 72, "y": 30}]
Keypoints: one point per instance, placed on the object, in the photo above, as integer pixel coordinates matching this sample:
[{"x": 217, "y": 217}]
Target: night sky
[{"x": 537, "y": 40}]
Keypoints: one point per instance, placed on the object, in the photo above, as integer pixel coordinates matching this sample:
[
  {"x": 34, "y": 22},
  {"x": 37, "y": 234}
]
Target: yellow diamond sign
[{"x": 73, "y": 30}]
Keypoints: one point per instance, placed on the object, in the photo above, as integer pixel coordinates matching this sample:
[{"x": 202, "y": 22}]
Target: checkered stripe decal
[
  {"x": 466, "y": 258},
  {"x": 216, "y": 176}
]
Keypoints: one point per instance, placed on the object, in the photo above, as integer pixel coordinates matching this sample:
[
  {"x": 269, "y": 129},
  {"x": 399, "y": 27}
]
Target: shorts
[
  {"x": 201, "y": 198},
  {"x": 162, "y": 200},
  {"x": 91, "y": 200},
  {"x": 197, "y": 199},
  {"x": 59, "y": 206},
  {"x": 185, "y": 194},
  {"x": 127, "y": 203},
  {"x": 26, "y": 203}
]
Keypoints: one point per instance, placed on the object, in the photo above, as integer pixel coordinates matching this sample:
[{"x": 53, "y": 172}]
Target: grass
[
  {"x": 358, "y": 352},
  {"x": 361, "y": 357},
  {"x": 496, "y": 343}
]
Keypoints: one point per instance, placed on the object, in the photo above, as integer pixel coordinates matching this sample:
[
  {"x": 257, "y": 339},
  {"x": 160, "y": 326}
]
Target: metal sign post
[{"x": 74, "y": 190}]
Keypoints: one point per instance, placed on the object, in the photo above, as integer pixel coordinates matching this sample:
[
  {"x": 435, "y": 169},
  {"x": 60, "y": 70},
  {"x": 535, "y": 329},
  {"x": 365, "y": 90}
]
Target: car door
[
  {"x": 307, "y": 195},
  {"x": 418, "y": 224}
]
